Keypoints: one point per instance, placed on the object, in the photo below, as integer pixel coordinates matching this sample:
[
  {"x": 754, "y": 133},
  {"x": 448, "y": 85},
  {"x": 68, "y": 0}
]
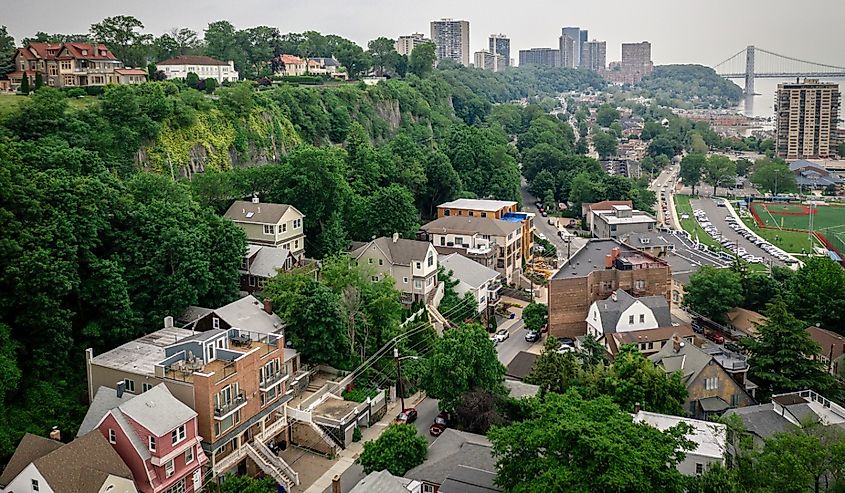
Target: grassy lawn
[
  {"x": 690, "y": 225},
  {"x": 10, "y": 102},
  {"x": 788, "y": 241}
]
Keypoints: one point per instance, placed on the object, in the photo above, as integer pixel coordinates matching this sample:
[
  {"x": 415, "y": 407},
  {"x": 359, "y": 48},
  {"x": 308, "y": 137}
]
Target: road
[
  {"x": 665, "y": 181},
  {"x": 541, "y": 225},
  {"x": 514, "y": 344}
]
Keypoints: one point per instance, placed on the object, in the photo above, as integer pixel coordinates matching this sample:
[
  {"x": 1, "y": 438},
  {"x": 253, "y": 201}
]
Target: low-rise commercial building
[{"x": 620, "y": 220}]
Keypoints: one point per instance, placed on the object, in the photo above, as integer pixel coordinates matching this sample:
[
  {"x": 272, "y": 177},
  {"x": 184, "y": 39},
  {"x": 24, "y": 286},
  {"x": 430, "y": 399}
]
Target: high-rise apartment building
[
  {"x": 575, "y": 34},
  {"x": 545, "y": 57},
  {"x": 406, "y": 44},
  {"x": 500, "y": 44},
  {"x": 451, "y": 39},
  {"x": 489, "y": 61},
  {"x": 594, "y": 56},
  {"x": 807, "y": 116},
  {"x": 637, "y": 56},
  {"x": 567, "y": 47}
]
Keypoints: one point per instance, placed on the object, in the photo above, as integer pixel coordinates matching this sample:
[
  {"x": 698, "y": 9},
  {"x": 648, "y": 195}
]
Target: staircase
[
  {"x": 272, "y": 465},
  {"x": 297, "y": 416}
]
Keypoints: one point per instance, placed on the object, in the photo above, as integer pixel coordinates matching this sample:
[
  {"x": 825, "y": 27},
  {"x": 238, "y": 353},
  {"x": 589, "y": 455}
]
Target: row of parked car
[
  {"x": 708, "y": 227},
  {"x": 763, "y": 244}
]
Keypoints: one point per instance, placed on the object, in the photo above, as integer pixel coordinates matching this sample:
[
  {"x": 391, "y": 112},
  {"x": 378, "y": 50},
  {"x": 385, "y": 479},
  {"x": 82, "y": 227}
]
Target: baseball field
[{"x": 828, "y": 221}]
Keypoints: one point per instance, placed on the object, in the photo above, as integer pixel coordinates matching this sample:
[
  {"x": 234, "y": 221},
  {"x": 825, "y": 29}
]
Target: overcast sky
[{"x": 681, "y": 31}]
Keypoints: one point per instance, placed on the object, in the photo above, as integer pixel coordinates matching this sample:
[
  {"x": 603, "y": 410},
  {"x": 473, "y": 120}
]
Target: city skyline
[{"x": 675, "y": 40}]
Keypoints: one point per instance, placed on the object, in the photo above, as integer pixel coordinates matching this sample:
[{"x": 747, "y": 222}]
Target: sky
[{"x": 681, "y": 31}]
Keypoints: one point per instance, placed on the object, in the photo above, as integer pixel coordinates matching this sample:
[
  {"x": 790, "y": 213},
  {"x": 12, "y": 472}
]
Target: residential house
[
  {"x": 327, "y": 66},
  {"x": 384, "y": 482},
  {"x": 411, "y": 263},
  {"x": 154, "y": 433},
  {"x": 277, "y": 225},
  {"x": 521, "y": 390},
  {"x": 620, "y": 220},
  {"x": 130, "y": 75},
  {"x": 832, "y": 352},
  {"x": 291, "y": 65},
  {"x": 504, "y": 210},
  {"x": 788, "y": 412},
  {"x": 745, "y": 321},
  {"x": 593, "y": 273},
  {"x": 457, "y": 462},
  {"x": 588, "y": 210},
  {"x": 69, "y": 65},
  {"x": 709, "y": 439},
  {"x": 480, "y": 281},
  {"x": 262, "y": 263},
  {"x": 711, "y": 389},
  {"x": 87, "y": 464},
  {"x": 493, "y": 242},
  {"x": 204, "y": 66},
  {"x": 236, "y": 379},
  {"x": 623, "y": 319}
]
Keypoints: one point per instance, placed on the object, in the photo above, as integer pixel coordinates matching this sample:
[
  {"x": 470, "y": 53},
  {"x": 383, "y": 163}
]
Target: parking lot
[{"x": 717, "y": 221}]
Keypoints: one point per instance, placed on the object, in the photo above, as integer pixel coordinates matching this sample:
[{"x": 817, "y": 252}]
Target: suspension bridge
[{"x": 752, "y": 62}]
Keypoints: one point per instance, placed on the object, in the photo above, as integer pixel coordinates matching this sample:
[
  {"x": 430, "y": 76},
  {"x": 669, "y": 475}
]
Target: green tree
[
  {"x": 468, "y": 357},
  {"x": 773, "y": 176},
  {"x": 210, "y": 85},
  {"x": 383, "y": 54},
  {"x": 592, "y": 353},
  {"x": 588, "y": 445},
  {"x": 715, "y": 479},
  {"x": 633, "y": 379},
  {"x": 587, "y": 188},
  {"x": 606, "y": 115},
  {"x": 192, "y": 80},
  {"x": 24, "y": 87},
  {"x": 692, "y": 166},
  {"x": 712, "y": 292},
  {"x": 247, "y": 484},
  {"x": 456, "y": 308},
  {"x": 784, "y": 358},
  {"x": 442, "y": 182},
  {"x": 719, "y": 170},
  {"x": 817, "y": 293},
  {"x": 803, "y": 460},
  {"x": 398, "y": 449},
  {"x": 354, "y": 58},
  {"x": 120, "y": 34},
  {"x": 39, "y": 81},
  {"x": 7, "y": 52},
  {"x": 553, "y": 371},
  {"x": 605, "y": 144},
  {"x": 421, "y": 61},
  {"x": 394, "y": 207},
  {"x": 535, "y": 316}
]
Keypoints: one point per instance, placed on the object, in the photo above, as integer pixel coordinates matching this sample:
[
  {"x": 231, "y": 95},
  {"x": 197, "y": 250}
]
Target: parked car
[
  {"x": 407, "y": 416},
  {"x": 541, "y": 236},
  {"x": 532, "y": 336},
  {"x": 715, "y": 337},
  {"x": 501, "y": 335},
  {"x": 732, "y": 346},
  {"x": 697, "y": 329},
  {"x": 441, "y": 422}
]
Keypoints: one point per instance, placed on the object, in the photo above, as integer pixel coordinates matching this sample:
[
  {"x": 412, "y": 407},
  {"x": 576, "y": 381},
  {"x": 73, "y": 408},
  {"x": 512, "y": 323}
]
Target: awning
[{"x": 713, "y": 405}]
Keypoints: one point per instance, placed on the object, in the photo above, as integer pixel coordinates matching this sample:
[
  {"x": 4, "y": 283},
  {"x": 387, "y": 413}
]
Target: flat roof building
[
  {"x": 620, "y": 220},
  {"x": 543, "y": 57},
  {"x": 807, "y": 115},
  {"x": 451, "y": 39}
]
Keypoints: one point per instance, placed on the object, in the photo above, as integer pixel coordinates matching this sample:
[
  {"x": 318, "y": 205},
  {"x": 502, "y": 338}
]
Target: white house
[
  {"x": 411, "y": 263},
  {"x": 473, "y": 278},
  {"x": 710, "y": 440},
  {"x": 204, "y": 66},
  {"x": 625, "y": 313}
]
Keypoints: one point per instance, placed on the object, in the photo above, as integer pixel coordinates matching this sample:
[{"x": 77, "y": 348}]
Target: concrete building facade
[
  {"x": 451, "y": 40},
  {"x": 404, "y": 45},
  {"x": 807, "y": 116},
  {"x": 621, "y": 220},
  {"x": 487, "y": 60},
  {"x": 575, "y": 35},
  {"x": 501, "y": 45},
  {"x": 543, "y": 57},
  {"x": 594, "y": 55}
]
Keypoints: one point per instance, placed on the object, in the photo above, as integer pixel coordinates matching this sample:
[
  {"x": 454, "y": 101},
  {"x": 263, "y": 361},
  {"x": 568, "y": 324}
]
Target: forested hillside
[
  {"x": 110, "y": 210},
  {"x": 690, "y": 86}
]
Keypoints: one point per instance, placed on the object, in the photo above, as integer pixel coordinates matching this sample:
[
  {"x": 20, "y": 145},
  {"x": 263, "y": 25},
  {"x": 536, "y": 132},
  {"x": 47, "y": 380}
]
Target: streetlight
[{"x": 399, "y": 374}]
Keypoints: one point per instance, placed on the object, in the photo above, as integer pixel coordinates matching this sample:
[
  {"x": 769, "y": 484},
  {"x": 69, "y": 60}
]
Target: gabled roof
[
  {"x": 611, "y": 309},
  {"x": 710, "y": 439},
  {"x": 746, "y": 321},
  {"x": 92, "y": 52},
  {"x": 689, "y": 360},
  {"x": 832, "y": 344},
  {"x": 380, "y": 482},
  {"x": 248, "y": 314},
  {"x": 86, "y": 461},
  {"x": 104, "y": 401},
  {"x": 653, "y": 335},
  {"x": 471, "y": 225},
  {"x": 30, "y": 448},
  {"x": 192, "y": 60},
  {"x": 157, "y": 410},
  {"x": 258, "y": 213},
  {"x": 467, "y": 271},
  {"x": 607, "y": 205},
  {"x": 268, "y": 261},
  {"x": 398, "y": 251},
  {"x": 762, "y": 420},
  {"x": 449, "y": 452}
]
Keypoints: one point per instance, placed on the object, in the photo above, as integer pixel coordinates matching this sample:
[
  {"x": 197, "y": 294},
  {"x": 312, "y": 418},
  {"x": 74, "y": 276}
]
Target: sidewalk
[{"x": 348, "y": 456}]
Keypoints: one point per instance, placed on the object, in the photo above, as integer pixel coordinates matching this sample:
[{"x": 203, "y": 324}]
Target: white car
[
  {"x": 541, "y": 236},
  {"x": 501, "y": 335}
]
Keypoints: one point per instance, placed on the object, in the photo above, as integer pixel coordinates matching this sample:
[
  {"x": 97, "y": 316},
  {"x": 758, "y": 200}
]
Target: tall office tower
[
  {"x": 406, "y": 44},
  {"x": 594, "y": 56},
  {"x": 567, "y": 48},
  {"x": 807, "y": 115},
  {"x": 451, "y": 39},
  {"x": 501, "y": 44},
  {"x": 546, "y": 57},
  {"x": 489, "y": 61},
  {"x": 575, "y": 34}
]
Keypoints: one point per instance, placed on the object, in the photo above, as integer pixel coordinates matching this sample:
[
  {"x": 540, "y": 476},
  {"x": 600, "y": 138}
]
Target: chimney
[
  {"x": 168, "y": 322},
  {"x": 636, "y": 408},
  {"x": 677, "y": 343},
  {"x": 608, "y": 261},
  {"x": 395, "y": 237},
  {"x": 268, "y": 306},
  {"x": 615, "y": 253},
  {"x": 56, "y": 434},
  {"x": 120, "y": 387},
  {"x": 255, "y": 200},
  {"x": 336, "y": 483}
]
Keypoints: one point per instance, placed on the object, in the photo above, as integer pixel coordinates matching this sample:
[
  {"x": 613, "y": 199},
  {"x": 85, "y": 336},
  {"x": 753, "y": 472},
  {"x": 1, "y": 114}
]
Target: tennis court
[{"x": 827, "y": 220}]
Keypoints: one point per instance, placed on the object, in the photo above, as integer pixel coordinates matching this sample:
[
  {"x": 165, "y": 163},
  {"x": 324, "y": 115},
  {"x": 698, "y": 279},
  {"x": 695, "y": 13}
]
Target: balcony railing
[
  {"x": 228, "y": 408},
  {"x": 271, "y": 380}
]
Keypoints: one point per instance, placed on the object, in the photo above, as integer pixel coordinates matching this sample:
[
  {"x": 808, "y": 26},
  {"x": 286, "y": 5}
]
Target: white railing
[
  {"x": 272, "y": 465},
  {"x": 230, "y": 460},
  {"x": 298, "y": 414}
]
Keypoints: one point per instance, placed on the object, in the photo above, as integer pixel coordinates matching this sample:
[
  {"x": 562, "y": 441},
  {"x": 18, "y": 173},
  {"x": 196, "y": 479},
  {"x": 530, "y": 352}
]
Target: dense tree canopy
[
  {"x": 396, "y": 450},
  {"x": 712, "y": 292}
]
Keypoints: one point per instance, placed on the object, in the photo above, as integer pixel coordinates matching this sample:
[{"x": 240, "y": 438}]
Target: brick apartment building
[{"x": 593, "y": 273}]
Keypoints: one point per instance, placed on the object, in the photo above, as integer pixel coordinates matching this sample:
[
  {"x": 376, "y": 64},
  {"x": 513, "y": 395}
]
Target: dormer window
[
  {"x": 215, "y": 323},
  {"x": 178, "y": 434}
]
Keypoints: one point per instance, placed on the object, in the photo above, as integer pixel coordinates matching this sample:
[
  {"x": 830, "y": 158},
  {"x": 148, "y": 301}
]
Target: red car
[
  {"x": 441, "y": 422},
  {"x": 407, "y": 416},
  {"x": 715, "y": 337}
]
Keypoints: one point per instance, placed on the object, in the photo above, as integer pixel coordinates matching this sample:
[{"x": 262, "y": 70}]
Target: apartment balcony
[
  {"x": 479, "y": 250},
  {"x": 271, "y": 380},
  {"x": 228, "y": 408}
]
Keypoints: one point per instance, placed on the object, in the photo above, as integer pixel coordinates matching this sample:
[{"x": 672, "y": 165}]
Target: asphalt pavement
[{"x": 541, "y": 225}]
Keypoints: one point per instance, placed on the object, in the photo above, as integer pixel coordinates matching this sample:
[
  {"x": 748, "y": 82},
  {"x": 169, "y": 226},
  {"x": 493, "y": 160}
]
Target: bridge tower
[{"x": 749, "y": 70}]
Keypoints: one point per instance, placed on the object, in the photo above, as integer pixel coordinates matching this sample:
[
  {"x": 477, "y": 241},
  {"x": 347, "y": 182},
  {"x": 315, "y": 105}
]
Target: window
[
  {"x": 459, "y": 240},
  {"x": 130, "y": 385},
  {"x": 418, "y": 284},
  {"x": 215, "y": 323},
  {"x": 34, "y": 485},
  {"x": 189, "y": 455},
  {"x": 642, "y": 318},
  {"x": 442, "y": 241},
  {"x": 699, "y": 468},
  {"x": 145, "y": 387},
  {"x": 430, "y": 281},
  {"x": 630, "y": 319},
  {"x": 427, "y": 488},
  {"x": 152, "y": 443},
  {"x": 169, "y": 468},
  {"x": 112, "y": 436},
  {"x": 296, "y": 245},
  {"x": 405, "y": 280},
  {"x": 483, "y": 214},
  {"x": 711, "y": 383},
  {"x": 177, "y": 435},
  {"x": 419, "y": 265},
  {"x": 471, "y": 213},
  {"x": 639, "y": 284},
  {"x": 284, "y": 228},
  {"x": 269, "y": 229},
  {"x": 381, "y": 261},
  {"x": 369, "y": 260},
  {"x": 374, "y": 278},
  {"x": 430, "y": 260}
]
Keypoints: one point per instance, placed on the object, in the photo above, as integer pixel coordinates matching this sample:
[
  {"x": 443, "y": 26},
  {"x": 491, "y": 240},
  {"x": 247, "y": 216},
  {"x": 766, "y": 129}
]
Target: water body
[{"x": 763, "y": 104}]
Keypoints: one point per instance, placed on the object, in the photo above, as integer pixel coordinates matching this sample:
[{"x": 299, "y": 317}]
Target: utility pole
[{"x": 399, "y": 377}]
